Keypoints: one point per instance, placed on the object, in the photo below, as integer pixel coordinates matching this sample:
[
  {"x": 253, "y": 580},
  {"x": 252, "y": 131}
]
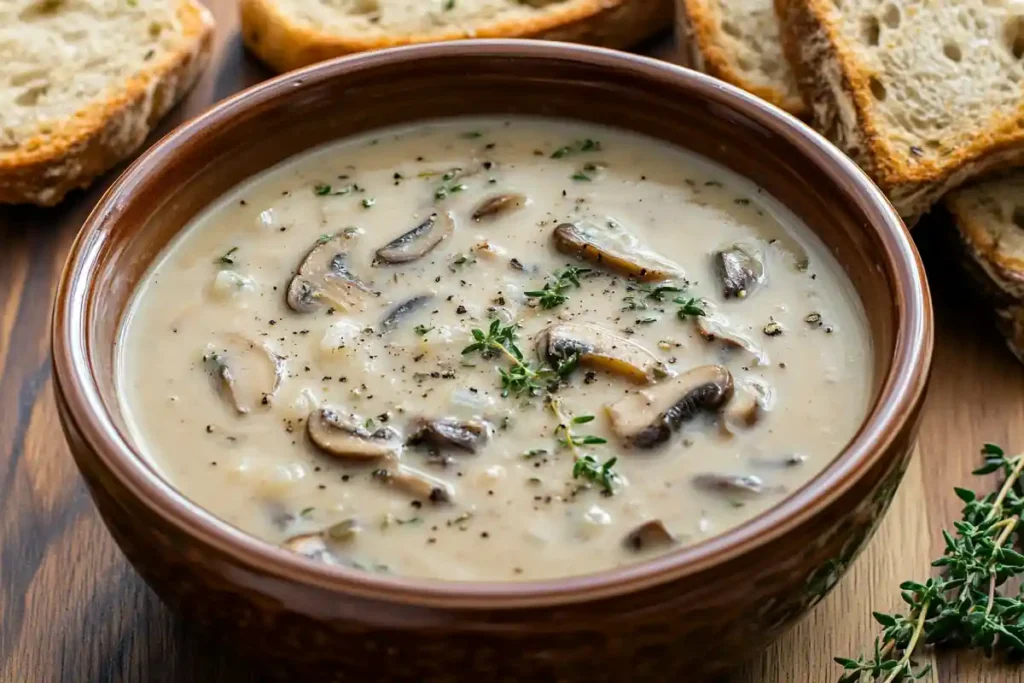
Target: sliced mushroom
[
  {"x": 324, "y": 280},
  {"x": 714, "y": 328},
  {"x": 730, "y": 483},
  {"x": 403, "y": 310},
  {"x": 615, "y": 249},
  {"x": 648, "y": 417},
  {"x": 447, "y": 432},
  {"x": 418, "y": 241},
  {"x": 599, "y": 348},
  {"x": 746, "y": 407},
  {"x": 312, "y": 546},
  {"x": 316, "y": 546},
  {"x": 740, "y": 268},
  {"x": 246, "y": 373},
  {"x": 498, "y": 205},
  {"x": 418, "y": 485},
  {"x": 343, "y": 435},
  {"x": 650, "y": 534}
]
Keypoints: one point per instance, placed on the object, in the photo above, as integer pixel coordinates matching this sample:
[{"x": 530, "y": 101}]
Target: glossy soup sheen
[{"x": 692, "y": 402}]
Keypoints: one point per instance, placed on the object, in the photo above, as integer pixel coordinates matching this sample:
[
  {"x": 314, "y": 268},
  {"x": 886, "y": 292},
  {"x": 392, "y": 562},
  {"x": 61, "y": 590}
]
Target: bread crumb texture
[
  {"x": 924, "y": 94},
  {"x": 84, "y": 81}
]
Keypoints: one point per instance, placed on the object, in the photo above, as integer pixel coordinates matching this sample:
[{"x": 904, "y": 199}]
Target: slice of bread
[
  {"x": 738, "y": 41},
  {"x": 989, "y": 217},
  {"x": 287, "y": 34},
  {"x": 924, "y": 95},
  {"x": 83, "y": 83}
]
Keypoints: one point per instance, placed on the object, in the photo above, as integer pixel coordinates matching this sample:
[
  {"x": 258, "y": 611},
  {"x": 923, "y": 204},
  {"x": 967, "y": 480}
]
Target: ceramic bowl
[{"x": 683, "y": 616}]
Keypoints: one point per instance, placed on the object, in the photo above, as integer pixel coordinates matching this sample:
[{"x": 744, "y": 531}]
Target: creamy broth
[{"x": 297, "y": 367}]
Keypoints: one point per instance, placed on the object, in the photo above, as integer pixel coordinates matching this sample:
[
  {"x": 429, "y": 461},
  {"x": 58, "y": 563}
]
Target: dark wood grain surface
[{"x": 72, "y": 610}]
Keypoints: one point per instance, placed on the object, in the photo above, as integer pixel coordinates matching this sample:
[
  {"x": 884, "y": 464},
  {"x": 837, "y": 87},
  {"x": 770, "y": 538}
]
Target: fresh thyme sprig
[
  {"x": 587, "y": 467},
  {"x": 584, "y": 465},
  {"x": 554, "y": 292},
  {"x": 521, "y": 377},
  {"x": 692, "y": 307},
  {"x": 964, "y": 606},
  {"x": 643, "y": 293}
]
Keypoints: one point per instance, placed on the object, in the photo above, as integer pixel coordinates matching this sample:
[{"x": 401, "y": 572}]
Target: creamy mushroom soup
[{"x": 493, "y": 349}]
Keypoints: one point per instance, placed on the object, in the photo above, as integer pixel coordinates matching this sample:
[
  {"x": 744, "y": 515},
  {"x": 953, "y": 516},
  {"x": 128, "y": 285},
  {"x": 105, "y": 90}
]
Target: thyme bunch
[{"x": 964, "y": 606}]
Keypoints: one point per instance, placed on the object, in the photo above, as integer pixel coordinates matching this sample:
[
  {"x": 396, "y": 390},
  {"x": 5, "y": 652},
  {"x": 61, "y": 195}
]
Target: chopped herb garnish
[
  {"x": 449, "y": 183},
  {"x": 773, "y": 329},
  {"x": 690, "y": 307},
  {"x": 422, "y": 330},
  {"x": 306, "y": 512},
  {"x": 449, "y": 5},
  {"x": 463, "y": 259},
  {"x": 534, "y": 452},
  {"x": 646, "y": 321},
  {"x": 368, "y": 202},
  {"x": 554, "y": 292},
  {"x": 228, "y": 256},
  {"x": 323, "y": 239},
  {"x": 813, "y": 319},
  {"x": 580, "y": 176},
  {"x": 587, "y": 145},
  {"x": 472, "y": 135},
  {"x": 587, "y": 467},
  {"x": 323, "y": 189}
]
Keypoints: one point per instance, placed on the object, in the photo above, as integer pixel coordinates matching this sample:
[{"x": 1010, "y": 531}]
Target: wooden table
[{"x": 72, "y": 610}]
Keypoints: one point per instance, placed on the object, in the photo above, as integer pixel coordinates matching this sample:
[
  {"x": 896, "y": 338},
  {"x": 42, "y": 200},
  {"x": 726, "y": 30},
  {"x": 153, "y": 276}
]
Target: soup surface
[{"x": 488, "y": 349}]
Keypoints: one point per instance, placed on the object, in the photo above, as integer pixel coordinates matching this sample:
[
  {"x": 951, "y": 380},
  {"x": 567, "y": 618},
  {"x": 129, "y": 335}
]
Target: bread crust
[
  {"x": 838, "y": 93},
  {"x": 283, "y": 45},
  {"x": 44, "y": 168},
  {"x": 1003, "y": 272},
  {"x": 701, "y": 47}
]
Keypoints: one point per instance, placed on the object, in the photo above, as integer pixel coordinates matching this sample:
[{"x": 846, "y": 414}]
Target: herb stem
[
  {"x": 1011, "y": 479},
  {"x": 555, "y": 404},
  {"x": 908, "y": 652}
]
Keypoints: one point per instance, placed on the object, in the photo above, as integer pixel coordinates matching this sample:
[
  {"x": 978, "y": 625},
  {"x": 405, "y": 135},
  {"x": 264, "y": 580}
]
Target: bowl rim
[{"x": 899, "y": 395}]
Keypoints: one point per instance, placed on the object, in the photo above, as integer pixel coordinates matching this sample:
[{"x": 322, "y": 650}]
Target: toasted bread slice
[
  {"x": 738, "y": 41},
  {"x": 83, "y": 84},
  {"x": 989, "y": 218},
  {"x": 924, "y": 96},
  {"x": 287, "y": 34}
]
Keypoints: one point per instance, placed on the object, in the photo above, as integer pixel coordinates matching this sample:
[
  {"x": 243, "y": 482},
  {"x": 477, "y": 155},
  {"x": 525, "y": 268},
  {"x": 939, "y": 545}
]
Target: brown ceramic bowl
[{"x": 683, "y": 616}]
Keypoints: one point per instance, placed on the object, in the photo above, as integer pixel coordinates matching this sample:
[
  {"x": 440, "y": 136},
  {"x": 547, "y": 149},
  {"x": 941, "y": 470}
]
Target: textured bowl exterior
[{"x": 686, "y": 616}]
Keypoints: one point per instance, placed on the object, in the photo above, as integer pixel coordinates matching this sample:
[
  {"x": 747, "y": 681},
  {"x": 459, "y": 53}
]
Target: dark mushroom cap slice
[
  {"x": 246, "y": 373},
  {"x": 498, "y": 205},
  {"x": 420, "y": 240},
  {"x": 449, "y": 432},
  {"x": 343, "y": 435},
  {"x": 650, "y": 534},
  {"x": 599, "y": 348},
  {"x": 403, "y": 310},
  {"x": 714, "y": 328},
  {"x": 649, "y": 417},
  {"x": 416, "y": 484},
  {"x": 324, "y": 280},
  {"x": 606, "y": 247},
  {"x": 740, "y": 269}
]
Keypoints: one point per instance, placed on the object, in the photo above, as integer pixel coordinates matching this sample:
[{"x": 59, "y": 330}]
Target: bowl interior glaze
[{"x": 250, "y": 132}]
